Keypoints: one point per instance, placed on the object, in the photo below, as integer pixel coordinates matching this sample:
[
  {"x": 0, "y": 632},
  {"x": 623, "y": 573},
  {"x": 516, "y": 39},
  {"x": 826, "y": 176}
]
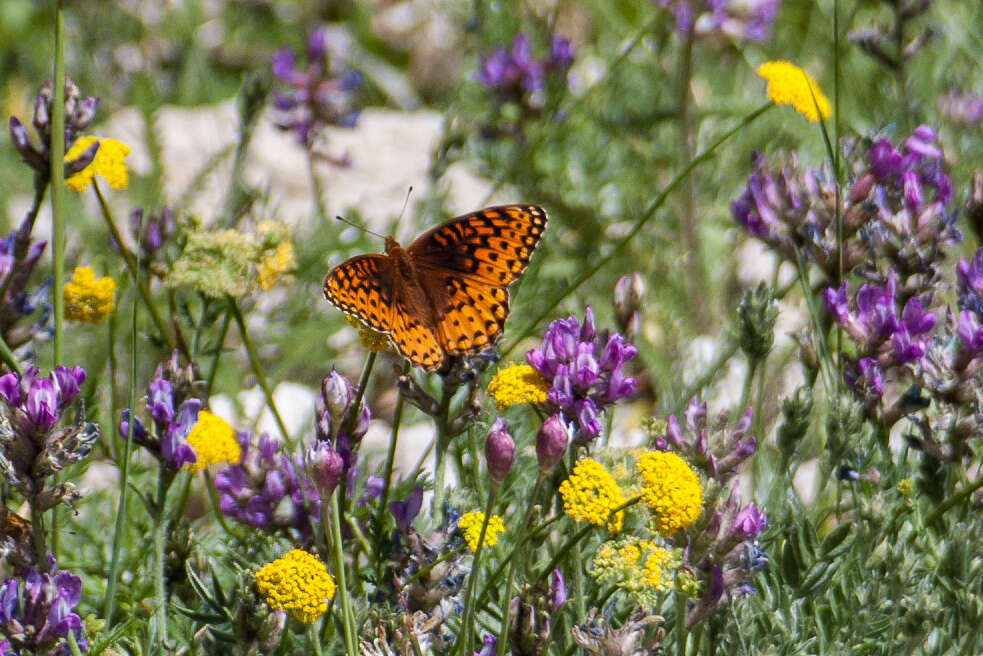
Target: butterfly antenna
[
  {"x": 399, "y": 218},
  {"x": 360, "y": 227}
]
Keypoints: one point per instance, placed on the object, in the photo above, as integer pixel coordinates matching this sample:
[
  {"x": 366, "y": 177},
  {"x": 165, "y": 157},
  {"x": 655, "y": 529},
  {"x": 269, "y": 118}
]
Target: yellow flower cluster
[
  {"x": 298, "y": 583},
  {"x": 790, "y": 85},
  {"x": 372, "y": 340},
  {"x": 89, "y": 299},
  {"x": 470, "y": 525},
  {"x": 639, "y": 567},
  {"x": 671, "y": 490},
  {"x": 590, "y": 494},
  {"x": 108, "y": 162},
  {"x": 272, "y": 268},
  {"x": 214, "y": 442},
  {"x": 517, "y": 383}
]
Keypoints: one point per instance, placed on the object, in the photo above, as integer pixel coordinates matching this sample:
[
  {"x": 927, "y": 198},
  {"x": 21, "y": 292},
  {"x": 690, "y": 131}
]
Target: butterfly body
[{"x": 446, "y": 294}]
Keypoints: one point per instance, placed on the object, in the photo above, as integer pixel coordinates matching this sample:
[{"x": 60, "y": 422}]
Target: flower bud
[
  {"x": 756, "y": 320},
  {"x": 499, "y": 451},
  {"x": 326, "y": 467},
  {"x": 628, "y": 296},
  {"x": 337, "y": 394},
  {"x": 551, "y": 444}
]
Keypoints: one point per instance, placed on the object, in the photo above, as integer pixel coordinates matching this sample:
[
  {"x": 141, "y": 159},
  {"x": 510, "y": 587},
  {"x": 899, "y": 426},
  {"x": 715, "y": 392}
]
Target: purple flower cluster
[
  {"x": 18, "y": 257},
  {"x": 79, "y": 113},
  {"x": 313, "y": 98},
  {"x": 584, "y": 370},
  {"x": 718, "y": 548},
  {"x": 896, "y": 207},
  {"x": 172, "y": 423},
  {"x": 30, "y": 447},
  {"x": 268, "y": 489},
  {"x": 515, "y": 73},
  {"x": 712, "y": 20},
  {"x": 961, "y": 107},
  {"x": 36, "y": 613},
  {"x": 886, "y": 336},
  {"x": 716, "y": 452}
]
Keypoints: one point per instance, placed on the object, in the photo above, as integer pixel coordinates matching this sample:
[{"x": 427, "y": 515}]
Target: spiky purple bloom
[
  {"x": 32, "y": 447},
  {"x": 268, "y": 489},
  {"x": 79, "y": 113},
  {"x": 513, "y": 73},
  {"x": 585, "y": 371},
  {"x": 876, "y": 321},
  {"x": 168, "y": 439},
  {"x": 718, "y": 451},
  {"x": 316, "y": 96},
  {"x": 897, "y": 206},
  {"x": 405, "y": 511},
  {"x": 729, "y": 20},
  {"x": 36, "y": 612}
]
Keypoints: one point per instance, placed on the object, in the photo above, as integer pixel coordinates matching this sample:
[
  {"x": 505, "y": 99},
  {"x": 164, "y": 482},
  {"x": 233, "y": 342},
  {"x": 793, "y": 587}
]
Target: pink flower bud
[
  {"x": 499, "y": 451},
  {"x": 551, "y": 443}
]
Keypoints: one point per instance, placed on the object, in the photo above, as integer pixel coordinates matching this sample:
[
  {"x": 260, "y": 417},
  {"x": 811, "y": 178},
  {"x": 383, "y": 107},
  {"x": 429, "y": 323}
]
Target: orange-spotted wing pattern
[{"x": 447, "y": 293}]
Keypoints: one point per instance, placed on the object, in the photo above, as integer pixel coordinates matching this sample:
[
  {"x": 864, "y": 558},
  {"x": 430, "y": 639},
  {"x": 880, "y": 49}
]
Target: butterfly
[{"x": 447, "y": 293}]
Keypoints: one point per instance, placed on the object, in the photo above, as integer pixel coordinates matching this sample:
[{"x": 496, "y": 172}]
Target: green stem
[
  {"x": 680, "y": 628},
  {"x": 696, "y": 278},
  {"x": 116, "y": 563},
  {"x": 339, "y": 561},
  {"x": 442, "y": 441},
  {"x": 57, "y": 175},
  {"x": 258, "y": 369},
  {"x": 133, "y": 267},
  {"x": 952, "y": 501},
  {"x": 218, "y": 355},
  {"x": 322, "y": 213},
  {"x": 8, "y": 357},
  {"x": 465, "y": 632},
  {"x": 387, "y": 474},
  {"x": 507, "y": 591},
  {"x": 704, "y": 156},
  {"x": 159, "y": 633}
]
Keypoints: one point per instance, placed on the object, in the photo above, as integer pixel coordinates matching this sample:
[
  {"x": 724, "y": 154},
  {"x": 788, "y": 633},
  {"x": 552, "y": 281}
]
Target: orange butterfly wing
[
  {"x": 470, "y": 262},
  {"x": 363, "y": 287},
  {"x": 461, "y": 302}
]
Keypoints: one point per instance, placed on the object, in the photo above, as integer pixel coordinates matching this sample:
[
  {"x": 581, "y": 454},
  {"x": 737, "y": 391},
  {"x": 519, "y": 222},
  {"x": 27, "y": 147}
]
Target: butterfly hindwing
[
  {"x": 493, "y": 245},
  {"x": 363, "y": 288},
  {"x": 473, "y": 315},
  {"x": 412, "y": 338}
]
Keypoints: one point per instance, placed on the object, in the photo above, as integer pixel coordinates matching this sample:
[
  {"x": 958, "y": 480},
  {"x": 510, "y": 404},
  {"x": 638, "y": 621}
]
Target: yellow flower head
[
  {"x": 790, "y": 85},
  {"x": 517, "y": 383},
  {"x": 108, "y": 162},
  {"x": 89, "y": 299},
  {"x": 639, "y": 567},
  {"x": 272, "y": 268},
  {"x": 470, "y": 525},
  {"x": 672, "y": 490},
  {"x": 906, "y": 487},
  {"x": 590, "y": 494},
  {"x": 372, "y": 340},
  {"x": 214, "y": 442},
  {"x": 298, "y": 583}
]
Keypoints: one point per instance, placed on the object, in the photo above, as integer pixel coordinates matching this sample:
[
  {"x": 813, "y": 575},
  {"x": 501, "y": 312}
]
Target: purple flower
[
  {"x": 749, "y": 523},
  {"x": 716, "y": 450},
  {"x": 499, "y": 452},
  {"x": 714, "y": 20},
  {"x": 585, "y": 371},
  {"x": 970, "y": 332},
  {"x": 405, "y": 511},
  {"x": 268, "y": 489},
  {"x": 969, "y": 283},
  {"x": 514, "y": 73},
  {"x": 37, "y": 617},
  {"x": 558, "y": 589},
  {"x": 312, "y": 98}
]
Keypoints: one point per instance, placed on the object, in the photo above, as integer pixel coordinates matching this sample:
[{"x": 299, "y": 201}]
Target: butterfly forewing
[
  {"x": 493, "y": 244},
  {"x": 363, "y": 288}
]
